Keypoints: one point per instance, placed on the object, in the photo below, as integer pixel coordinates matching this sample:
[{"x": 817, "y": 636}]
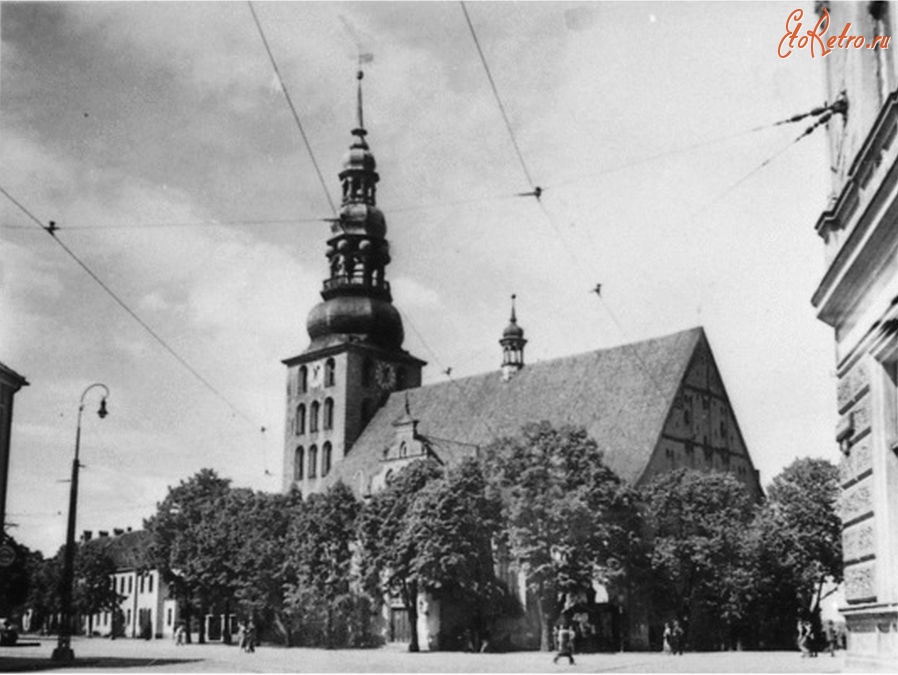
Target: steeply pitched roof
[
  {"x": 621, "y": 395},
  {"x": 128, "y": 550}
]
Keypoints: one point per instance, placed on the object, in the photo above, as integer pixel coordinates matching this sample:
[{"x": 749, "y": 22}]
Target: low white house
[{"x": 146, "y": 610}]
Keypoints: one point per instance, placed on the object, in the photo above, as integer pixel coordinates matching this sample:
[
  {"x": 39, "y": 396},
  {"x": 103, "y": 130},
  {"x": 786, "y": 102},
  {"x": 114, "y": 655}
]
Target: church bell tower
[{"x": 355, "y": 358}]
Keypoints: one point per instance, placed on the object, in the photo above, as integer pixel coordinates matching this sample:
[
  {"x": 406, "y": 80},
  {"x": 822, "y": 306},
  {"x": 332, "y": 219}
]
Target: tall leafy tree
[
  {"x": 386, "y": 556},
  {"x": 699, "y": 522},
  {"x": 17, "y": 580},
  {"x": 450, "y": 528},
  {"x": 321, "y": 543},
  {"x": 258, "y": 526},
  {"x": 797, "y": 543},
  {"x": 561, "y": 507},
  {"x": 43, "y": 592},
  {"x": 187, "y": 541},
  {"x": 94, "y": 591}
]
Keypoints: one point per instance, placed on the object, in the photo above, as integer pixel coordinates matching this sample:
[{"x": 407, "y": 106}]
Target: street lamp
[{"x": 63, "y": 651}]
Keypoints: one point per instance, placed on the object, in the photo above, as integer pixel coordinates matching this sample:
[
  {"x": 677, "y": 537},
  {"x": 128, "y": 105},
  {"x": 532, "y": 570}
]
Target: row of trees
[{"x": 316, "y": 570}]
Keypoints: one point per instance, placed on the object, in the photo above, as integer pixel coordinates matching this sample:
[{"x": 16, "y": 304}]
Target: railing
[{"x": 344, "y": 280}]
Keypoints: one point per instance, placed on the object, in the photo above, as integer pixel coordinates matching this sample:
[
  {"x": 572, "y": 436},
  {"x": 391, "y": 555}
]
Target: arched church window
[
  {"x": 301, "y": 418},
  {"x": 313, "y": 416},
  {"x": 303, "y": 379},
  {"x": 403, "y": 449},
  {"x": 328, "y": 413},
  {"x": 298, "y": 459},
  {"x": 313, "y": 461},
  {"x": 329, "y": 368},
  {"x": 326, "y": 458}
]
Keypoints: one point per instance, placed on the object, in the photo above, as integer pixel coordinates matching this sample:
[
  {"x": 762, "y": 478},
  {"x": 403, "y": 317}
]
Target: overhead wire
[
  {"x": 296, "y": 118},
  {"x": 168, "y": 348},
  {"x": 489, "y": 76}
]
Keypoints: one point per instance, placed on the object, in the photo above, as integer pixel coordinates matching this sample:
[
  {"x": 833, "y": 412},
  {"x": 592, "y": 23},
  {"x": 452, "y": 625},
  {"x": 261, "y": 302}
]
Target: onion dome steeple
[
  {"x": 357, "y": 303},
  {"x": 512, "y": 346}
]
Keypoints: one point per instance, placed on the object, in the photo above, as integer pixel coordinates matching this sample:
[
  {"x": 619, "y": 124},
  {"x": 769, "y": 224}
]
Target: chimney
[
  {"x": 103, "y": 533},
  {"x": 118, "y": 531},
  {"x": 127, "y": 529},
  {"x": 86, "y": 535}
]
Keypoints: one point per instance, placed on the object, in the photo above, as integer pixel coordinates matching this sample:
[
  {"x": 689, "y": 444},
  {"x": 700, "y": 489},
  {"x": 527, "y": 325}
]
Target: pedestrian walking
[
  {"x": 251, "y": 637},
  {"x": 678, "y": 637},
  {"x": 830, "y": 632},
  {"x": 667, "y": 639},
  {"x": 564, "y": 639},
  {"x": 180, "y": 633},
  {"x": 804, "y": 637},
  {"x": 241, "y": 636}
]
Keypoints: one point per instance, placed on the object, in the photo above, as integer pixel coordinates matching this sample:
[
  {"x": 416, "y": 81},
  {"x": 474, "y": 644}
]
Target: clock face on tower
[{"x": 385, "y": 376}]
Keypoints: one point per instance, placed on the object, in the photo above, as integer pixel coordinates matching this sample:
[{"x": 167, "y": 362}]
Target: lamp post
[{"x": 63, "y": 651}]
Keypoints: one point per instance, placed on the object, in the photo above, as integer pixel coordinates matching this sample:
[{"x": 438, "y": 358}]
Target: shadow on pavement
[{"x": 25, "y": 664}]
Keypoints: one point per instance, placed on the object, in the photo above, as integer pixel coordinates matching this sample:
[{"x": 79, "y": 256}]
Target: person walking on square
[
  {"x": 667, "y": 639},
  {"x": 241, "y": 636},
  {"x": 564, "y": 639},
  {"x": 804, "y": 637},
  {"x": 251, "y": 637},
  {"x": 830, "y": 632},
  {"x": 678, "y": 637},
  {"x": 179, "y": 634}
]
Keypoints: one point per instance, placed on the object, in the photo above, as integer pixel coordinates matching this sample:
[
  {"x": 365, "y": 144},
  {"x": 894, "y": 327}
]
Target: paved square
[{"x": 101, "y": 654}]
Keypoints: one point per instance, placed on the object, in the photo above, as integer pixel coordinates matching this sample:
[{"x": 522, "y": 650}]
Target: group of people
[
  {"x": 809, "y": 639},
  {"x": 564, "y": 641},
  {"x": 674, "y": 638},
  {"x": 246, "y": 637}
]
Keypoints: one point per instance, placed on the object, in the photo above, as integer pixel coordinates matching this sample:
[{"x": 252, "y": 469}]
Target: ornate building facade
[{"x": 858, "y": 297}]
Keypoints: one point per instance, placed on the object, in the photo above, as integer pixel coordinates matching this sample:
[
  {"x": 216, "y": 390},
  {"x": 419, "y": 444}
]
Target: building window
[
  {"x": 150, "y": 582},
  {"x": 403, "y": 449},
  {"x": 687, "y": 419},
  {"x": 326, "y": 459},
  {"x": 303, "y": 382},
  {"x": 313, "y": 462},
  {"x": 328, "y": 413},
  {"x": 141, "y": 584},
  {"x": 130, "y": 584},
  {"x": 298, "y": 459},
  {"x": 300, "y": 419},
  {"x": 313, "y": 416},
  {"x": 329, "y": 368},
  {"x": 168, "y": 617}
]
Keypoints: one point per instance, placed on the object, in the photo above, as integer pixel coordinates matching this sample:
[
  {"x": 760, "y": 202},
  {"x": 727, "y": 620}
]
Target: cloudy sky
[{"x": 157, "y": 137}]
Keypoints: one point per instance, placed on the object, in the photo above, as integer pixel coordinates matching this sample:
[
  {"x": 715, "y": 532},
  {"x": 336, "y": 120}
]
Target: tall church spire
[
  {"x": 512, "y": 346},
  {"x": 357, "y": 303}
]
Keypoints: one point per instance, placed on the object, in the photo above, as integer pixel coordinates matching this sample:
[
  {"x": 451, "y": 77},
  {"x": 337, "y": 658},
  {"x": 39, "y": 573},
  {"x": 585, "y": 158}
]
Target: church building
[{"x": 356, "y": 411}]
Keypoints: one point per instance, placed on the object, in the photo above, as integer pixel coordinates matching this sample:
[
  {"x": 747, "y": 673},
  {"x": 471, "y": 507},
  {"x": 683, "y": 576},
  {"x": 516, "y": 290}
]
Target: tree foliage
[
  {"x": 796, "y": 546},
  {"x": 321, "y": 598},
  {"x": 94, "y": 591},
  {"x": 561, "y": 506},
  {"x": 387, "y": 557},
  {"x": 189, "y": 546},
  {"x": 698, "y": 522},
  {"x": 450, "y": 529}
]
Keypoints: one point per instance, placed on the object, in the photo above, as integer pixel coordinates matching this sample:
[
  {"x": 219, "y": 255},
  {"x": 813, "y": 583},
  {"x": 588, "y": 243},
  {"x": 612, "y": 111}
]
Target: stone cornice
[{"x": 872, "y": 178}]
